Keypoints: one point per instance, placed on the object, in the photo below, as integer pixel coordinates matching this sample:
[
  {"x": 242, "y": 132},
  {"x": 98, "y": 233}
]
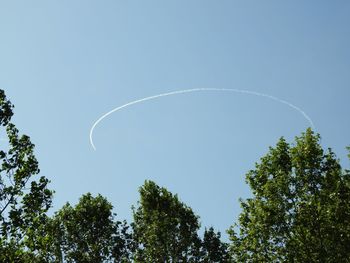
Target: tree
[
  {"x": 24, "y": 201},
  {"x": 213, "y": 249},
  {"x": 300, "y": 209},
  {"x": 88, "y": 233},
  {"x": 164, "y": 228}
]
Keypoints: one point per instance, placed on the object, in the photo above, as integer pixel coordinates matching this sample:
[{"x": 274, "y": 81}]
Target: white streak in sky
[{"x": 197, "y": 90}]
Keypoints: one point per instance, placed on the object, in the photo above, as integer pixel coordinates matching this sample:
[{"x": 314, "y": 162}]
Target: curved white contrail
[{"x": 197, "y": 90}]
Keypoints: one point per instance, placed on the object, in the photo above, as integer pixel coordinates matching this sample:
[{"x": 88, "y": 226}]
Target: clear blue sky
[{"x": 65, "y": 63}]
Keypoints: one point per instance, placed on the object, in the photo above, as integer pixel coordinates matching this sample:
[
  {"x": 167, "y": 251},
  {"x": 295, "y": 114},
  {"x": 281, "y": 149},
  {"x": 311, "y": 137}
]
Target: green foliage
[
  {"x": 88, "y": 233},
  {"x": 213, "y": 249},
  {"x": 300, "y": 209},
  {"x": 299, "y": 212},
  {"x": 23, "y": 200},
  {"x": 165, "y": 229}
]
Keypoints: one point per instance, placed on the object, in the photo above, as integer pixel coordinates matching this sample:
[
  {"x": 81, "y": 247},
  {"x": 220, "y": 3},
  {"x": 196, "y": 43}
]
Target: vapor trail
[{"x": 197, "y": 90}]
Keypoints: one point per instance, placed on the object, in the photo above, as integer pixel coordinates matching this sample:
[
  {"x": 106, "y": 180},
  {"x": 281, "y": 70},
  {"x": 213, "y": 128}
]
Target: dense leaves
[
  {"x": 88, "y": 233},
  {"x": 300, "y": 209},
  {"x": 23, "y": 199},
  {"x": 165, "y": 229},
  {"x": 213, "y": 249}
]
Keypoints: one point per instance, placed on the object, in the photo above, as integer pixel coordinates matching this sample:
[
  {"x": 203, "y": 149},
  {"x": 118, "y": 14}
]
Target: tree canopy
[
  {"x": 299, "y": 211},
  {"x": 165, "y": 229},
  {"x": 88, "y": 232},
  {"x": 24, "y": 199}
]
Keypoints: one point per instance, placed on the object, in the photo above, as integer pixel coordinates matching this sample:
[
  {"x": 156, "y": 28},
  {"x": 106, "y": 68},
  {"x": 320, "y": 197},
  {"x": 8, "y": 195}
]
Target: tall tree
[
  {"x": 24, "y": 199},
  {"x": 164, "y": 228},
  {"x": 300, "y": 209},
  {"x": 88, "y": 233}
]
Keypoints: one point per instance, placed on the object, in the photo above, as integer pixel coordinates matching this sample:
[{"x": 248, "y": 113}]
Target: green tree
[
  {"x": 213, "y": 249},
  {"x": 164, "y": 228},
  {"x": 24, "y": 201},
  {"x": 300, "y": 209},
  {"x": 88, "y": 233}
]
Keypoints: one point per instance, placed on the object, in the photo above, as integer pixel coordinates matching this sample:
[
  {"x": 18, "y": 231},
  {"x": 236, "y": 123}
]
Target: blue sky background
[{"x": 65, "y": 63}]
